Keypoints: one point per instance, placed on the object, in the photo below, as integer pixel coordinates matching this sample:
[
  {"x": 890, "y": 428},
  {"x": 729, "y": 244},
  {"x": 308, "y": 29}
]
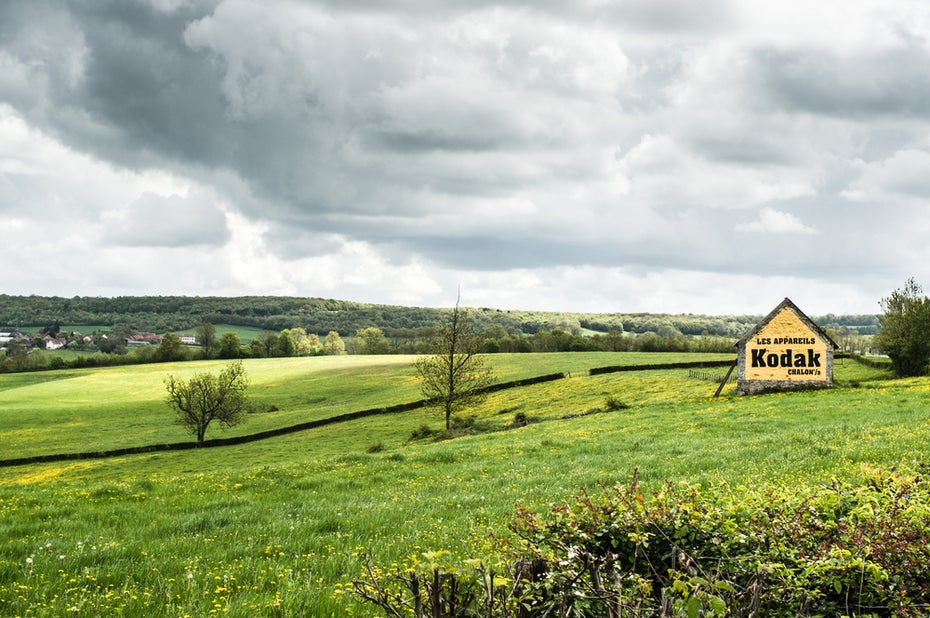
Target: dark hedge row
[{"x": 661, "y": 366}]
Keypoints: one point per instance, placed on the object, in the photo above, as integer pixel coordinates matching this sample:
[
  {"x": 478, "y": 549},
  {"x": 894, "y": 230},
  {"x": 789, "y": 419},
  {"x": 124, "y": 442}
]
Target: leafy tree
[
  {"x": 121, "y": 331},
  {"x": 614, "y": 341},
  {"x": 18, "y": 353},
  {"x": 270, "y": 343},
  {"x": 170, "y": 349},
  {"x": 371, "y": 340},
  {"x": 230, "y": 345},
  {"x": 305, "y": 344},
  {"x": 257, "y": 348},
  {"x": 905, "y": 329},
  {"x": 312, "y": 346},
  {"x": 454, "y": 376},
  {"x": 285, "y": 344},
  {"x": 491, "y": 346},
  {"x": 333, "y": 344},
  {"x": 207, "y": 397},
  {"x": 110, "y": 344},
  {"x": 206, "y": 335}
]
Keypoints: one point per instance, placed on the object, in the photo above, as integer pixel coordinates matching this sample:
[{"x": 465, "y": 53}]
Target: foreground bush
[{"x": 840, "y": 549}]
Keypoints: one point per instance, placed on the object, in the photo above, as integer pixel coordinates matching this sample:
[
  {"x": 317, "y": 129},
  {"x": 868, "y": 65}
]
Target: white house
[{"x": 54, "y": 344}]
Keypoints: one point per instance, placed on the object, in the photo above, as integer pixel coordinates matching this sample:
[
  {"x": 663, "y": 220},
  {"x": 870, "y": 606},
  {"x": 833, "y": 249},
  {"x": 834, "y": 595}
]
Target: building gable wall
[{"x": 785, "y": 351}]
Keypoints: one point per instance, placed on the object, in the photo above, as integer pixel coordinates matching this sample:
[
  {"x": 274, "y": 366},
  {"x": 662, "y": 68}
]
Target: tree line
[
  {"x": 307, "y": 326},
  {"x": 110, "y": 348},
  {"x": 317, "y": 315}
]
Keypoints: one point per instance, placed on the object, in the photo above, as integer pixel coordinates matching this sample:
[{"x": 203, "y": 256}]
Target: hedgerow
[{"x": 837, "y": 549}]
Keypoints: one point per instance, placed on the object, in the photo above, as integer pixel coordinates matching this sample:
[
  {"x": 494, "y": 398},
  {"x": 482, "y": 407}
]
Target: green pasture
[
  {"x": 246, "y": 333},
  {"x": 117, "y": 407},
  {"x": 275, "y": 528}
]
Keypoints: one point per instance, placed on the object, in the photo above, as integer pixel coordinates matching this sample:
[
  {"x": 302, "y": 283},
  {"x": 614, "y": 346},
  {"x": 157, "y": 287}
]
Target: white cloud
[
  {"x": 903, "y": 175},
  {"x": 632, "y": 289},
  {"x": 662, "y": 170},
  {"x": 773, "y": 221}
]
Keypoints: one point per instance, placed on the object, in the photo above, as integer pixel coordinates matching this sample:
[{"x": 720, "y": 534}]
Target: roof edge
[{"x": 789, "y": 304}]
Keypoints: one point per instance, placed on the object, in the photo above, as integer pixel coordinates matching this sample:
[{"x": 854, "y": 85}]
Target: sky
[{"x": 597, "y": 156}]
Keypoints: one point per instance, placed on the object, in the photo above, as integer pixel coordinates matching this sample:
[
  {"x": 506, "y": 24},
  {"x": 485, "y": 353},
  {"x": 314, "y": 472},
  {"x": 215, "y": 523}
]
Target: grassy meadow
[{"x": 275, "y": 528}]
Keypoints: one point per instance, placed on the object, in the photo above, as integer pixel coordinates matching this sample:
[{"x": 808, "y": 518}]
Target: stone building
[{"x": 785, "y": 351}]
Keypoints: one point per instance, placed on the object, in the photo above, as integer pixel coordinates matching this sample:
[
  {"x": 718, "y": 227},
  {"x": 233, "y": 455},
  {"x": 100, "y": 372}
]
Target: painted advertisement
[{"x": 786, "y": 349}]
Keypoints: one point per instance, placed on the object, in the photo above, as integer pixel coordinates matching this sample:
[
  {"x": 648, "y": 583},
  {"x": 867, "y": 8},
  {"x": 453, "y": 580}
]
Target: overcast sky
[{"x": 586, "y": 155}]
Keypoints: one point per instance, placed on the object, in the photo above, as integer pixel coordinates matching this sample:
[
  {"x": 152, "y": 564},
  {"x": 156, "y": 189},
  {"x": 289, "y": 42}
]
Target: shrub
[
  {"x": 256, "y": 410},
  {"x": 463, "y": 422},
  {"x": 613, "y": 404},
  {"x": 421, "y": 432},
  {"x": 836, "y": 549}
]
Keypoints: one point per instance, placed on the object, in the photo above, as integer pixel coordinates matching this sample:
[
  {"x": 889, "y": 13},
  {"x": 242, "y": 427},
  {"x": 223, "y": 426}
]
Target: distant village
[{"x": 81, "y": 341}]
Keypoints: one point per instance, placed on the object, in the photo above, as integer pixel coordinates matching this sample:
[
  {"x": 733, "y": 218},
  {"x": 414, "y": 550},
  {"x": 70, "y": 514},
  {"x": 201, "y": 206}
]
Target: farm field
[
  {"x": 274, "y": 527},
  {"x": 246, "y": 333},
  {"x": 116, "y": 407}
]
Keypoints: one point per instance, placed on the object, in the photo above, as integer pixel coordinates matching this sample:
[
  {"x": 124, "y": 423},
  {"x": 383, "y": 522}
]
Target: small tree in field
[
  {"x": 905, "y": 329},
  {"x": 371, "y": 340},
  {"x": 230, "y": 345},
  {"x": 333, "y": 344},
  {"x": 170, "y": 349},
  {"x": 206, "y": 335},
  {"x": 207, "y": 397},
  {"x": 454, "y": 376}
]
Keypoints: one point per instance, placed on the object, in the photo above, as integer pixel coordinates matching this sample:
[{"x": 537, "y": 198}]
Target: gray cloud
[
  {"x": 889, "y": 82},
  {"x": 440, "y": 140},
  {"x": 174, "y": 221}
]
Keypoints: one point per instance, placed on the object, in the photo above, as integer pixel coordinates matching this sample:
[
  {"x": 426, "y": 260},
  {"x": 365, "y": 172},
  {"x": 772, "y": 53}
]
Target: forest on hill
[{"x": 162, "y": 314}]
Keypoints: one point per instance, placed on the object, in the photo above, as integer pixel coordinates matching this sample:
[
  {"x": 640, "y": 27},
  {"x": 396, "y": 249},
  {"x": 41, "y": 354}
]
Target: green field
[{"x": 274, "y": 527}]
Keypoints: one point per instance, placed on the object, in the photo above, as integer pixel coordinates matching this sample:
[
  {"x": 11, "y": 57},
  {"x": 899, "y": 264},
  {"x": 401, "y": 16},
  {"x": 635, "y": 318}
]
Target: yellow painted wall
[{"x": 786, "y": 349}]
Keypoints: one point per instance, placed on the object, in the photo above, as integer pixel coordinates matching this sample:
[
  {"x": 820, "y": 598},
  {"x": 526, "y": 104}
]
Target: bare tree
[
  {"x": 454, "y": 376},
  {"x": 207, "y": 397}
]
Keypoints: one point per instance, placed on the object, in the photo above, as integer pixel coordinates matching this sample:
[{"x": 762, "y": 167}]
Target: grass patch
[{"x": 274, "y": 527}]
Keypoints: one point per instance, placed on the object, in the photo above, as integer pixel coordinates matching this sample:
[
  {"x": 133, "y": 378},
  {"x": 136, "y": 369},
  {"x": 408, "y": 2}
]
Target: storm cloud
[{"x": 592, "y": 156}]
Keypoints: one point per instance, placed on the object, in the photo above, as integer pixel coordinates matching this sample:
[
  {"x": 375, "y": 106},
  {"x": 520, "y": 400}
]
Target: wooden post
[{"x": 725, "y": 380}]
